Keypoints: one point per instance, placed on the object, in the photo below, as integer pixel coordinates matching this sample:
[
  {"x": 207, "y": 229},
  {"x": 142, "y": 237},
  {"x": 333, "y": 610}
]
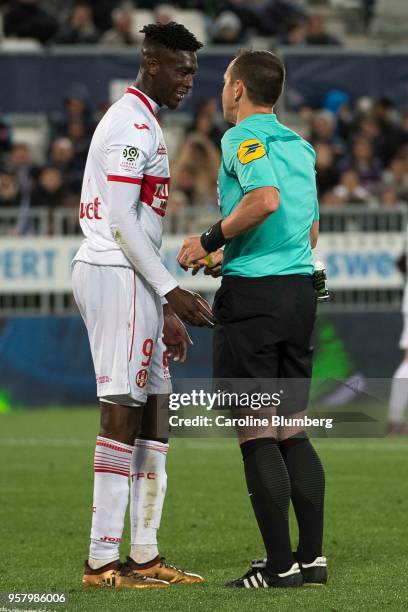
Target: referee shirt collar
[{"x": 256, "y": 116}]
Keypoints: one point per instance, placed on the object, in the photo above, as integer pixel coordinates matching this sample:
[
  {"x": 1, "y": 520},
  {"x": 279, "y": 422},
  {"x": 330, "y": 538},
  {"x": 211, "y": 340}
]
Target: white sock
[
  {"x": 147, "y": 492},
  {"x": 110, "y": 499},
  {"x": 399, "y": 394}
]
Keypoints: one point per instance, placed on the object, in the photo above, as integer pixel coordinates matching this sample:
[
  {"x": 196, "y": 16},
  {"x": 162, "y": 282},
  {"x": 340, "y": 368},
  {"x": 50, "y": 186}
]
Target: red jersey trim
[
  {"x": 143, "y": 99},
  {"x": 152, "y": 447},
  {"x": 155, "y": 193},
  {"x": 157, "y": 179},
  {"x": 109, "y": 471},
  {"x": 113, "y": 447},
  {"x": 117, "y": 178}
]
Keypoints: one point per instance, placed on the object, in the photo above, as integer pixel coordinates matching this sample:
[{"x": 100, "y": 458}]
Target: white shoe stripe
[
  {"x": 293, "y": 570},
  {"x": 318, "y": 562},
  {"x": 259, "y": 563},
  {"x": 246, "y": 583},
  {"x": 254, "y": 582},
  {"x": 261, "y": 580}
]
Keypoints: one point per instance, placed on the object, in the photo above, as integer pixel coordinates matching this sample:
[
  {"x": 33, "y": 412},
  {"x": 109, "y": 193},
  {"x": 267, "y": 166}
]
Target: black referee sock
[
  {"x": 307, "y": 485},
  {"x": 269, "y": 488}
]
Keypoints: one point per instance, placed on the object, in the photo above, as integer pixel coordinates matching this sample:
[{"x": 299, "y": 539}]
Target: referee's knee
[{"x": 295, "y": 430}]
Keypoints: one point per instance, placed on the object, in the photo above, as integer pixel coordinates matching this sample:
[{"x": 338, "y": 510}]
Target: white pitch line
[
  {"x": 339, "y": 445},
  {"x": 57, "y": 442},
  {"x": 331, "y": 445}
]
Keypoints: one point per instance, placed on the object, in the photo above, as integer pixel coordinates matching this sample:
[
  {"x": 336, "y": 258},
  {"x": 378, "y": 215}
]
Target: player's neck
[
  {"x": 145, "y": 88},
  {"x": 246, "y": 110}
]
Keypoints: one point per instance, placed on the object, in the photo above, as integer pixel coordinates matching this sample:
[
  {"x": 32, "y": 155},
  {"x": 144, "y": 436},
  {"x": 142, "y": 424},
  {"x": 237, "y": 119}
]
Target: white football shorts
[
  {"x": 124, "y": 319},
  {"x": 403, "y": 343}
]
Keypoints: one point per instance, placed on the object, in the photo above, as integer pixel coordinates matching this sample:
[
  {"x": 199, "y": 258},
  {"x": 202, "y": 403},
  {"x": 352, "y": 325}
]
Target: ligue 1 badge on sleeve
[{"x": 128, "y": 158}]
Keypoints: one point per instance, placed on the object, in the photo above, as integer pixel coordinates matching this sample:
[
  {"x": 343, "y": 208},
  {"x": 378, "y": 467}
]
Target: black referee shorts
[{"x": 264, "y": 331}]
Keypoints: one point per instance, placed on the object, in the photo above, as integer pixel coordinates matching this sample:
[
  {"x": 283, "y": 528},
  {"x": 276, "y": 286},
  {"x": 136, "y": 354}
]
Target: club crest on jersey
[
  {"x": 141, "y": 378},
  {"x": 250, "y": 150},
  {"x": 128, "y": 158}
]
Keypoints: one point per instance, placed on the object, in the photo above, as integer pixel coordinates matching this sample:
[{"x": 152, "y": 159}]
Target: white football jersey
[{"x": 127, "y": 147}]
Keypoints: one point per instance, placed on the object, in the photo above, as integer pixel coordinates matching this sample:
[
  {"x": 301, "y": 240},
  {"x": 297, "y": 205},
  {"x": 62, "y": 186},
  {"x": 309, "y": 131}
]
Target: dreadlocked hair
[{"x": 172, "y": 35}]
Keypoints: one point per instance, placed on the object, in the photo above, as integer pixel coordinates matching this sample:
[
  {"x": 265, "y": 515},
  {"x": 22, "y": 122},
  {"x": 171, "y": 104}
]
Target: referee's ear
[{"x": 239, "y": 90}]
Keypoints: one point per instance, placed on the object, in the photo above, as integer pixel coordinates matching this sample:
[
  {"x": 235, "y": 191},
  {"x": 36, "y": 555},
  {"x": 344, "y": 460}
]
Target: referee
[{"x": 265, "y": 308}]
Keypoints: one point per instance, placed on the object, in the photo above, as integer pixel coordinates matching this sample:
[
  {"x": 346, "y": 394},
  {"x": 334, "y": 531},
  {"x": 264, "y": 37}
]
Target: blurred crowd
[
  {"x": 56, "y": 183},
  {"x": 110, "y": 22},
  {"x": 361, "y": 156},
  {"x": 361, "y": 151}
]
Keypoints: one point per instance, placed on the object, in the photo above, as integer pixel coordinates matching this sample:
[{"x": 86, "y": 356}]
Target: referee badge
[{"x": 250, "y": 150}]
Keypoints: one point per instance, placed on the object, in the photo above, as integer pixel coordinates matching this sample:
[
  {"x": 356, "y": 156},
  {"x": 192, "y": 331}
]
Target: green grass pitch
[{"x": 207, "y": 527}]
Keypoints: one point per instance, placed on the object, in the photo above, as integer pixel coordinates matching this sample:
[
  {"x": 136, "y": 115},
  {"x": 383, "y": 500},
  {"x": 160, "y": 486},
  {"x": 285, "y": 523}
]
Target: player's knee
[{"x": 120, "y": 423}]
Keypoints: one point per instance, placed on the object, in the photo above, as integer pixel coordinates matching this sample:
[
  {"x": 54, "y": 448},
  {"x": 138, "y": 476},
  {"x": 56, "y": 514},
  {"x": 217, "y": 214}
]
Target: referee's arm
[
  {"x": 314, "y": 230},
  {"x": 253, "y": 209},
  {"x": 314, "y": 233}
]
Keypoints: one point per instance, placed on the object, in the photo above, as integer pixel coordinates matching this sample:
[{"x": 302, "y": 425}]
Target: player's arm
[
  {"x": 123, "y": 196},
  {"x": 124, "y": 186}
]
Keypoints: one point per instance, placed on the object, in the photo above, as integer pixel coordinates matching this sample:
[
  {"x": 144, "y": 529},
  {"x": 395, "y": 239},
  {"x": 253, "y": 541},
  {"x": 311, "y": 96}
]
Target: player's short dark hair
[
  {"x": 172, "y": 35},
  {"x": 262, "y": 73}
]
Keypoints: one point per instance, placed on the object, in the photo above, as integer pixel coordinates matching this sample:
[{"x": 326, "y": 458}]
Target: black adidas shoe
[
  {"x": 262, "y": 579},
  {"x": 313, "y": 573}
]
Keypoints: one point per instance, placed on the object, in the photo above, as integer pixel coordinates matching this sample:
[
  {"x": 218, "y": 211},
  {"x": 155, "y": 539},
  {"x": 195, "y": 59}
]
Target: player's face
[
  {"x": 229, "y": 105},
  {"x": 177, "y": 75}
]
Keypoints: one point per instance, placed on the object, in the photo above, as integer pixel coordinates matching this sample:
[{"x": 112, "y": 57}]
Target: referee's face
[{"x": 229, "y": 104}]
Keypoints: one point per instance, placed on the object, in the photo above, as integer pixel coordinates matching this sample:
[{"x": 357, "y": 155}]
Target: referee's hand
[
  {"x": 212, "y": 264},
  {"x": 191, "y": 252},
  {"x": 191, "y": 307}
]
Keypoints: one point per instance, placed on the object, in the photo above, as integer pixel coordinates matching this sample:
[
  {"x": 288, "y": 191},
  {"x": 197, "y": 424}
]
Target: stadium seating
[
  {"x": 139, "y": 18},
  {"x": 391, "y": 18}
]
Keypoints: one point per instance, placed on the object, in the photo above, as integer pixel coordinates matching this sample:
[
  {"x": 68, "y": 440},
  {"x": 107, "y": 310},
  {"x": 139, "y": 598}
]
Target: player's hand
[
  {"x": 190, "y": 252},
  {"x": 175, "y": 336},
  {"x": 191, "y": 307}
]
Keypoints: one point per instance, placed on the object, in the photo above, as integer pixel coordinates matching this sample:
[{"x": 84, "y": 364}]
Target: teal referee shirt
[{"x": 261, "y": 152}]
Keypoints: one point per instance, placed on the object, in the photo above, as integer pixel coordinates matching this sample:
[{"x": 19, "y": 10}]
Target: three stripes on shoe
[{"x": 256, "y": 580}]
